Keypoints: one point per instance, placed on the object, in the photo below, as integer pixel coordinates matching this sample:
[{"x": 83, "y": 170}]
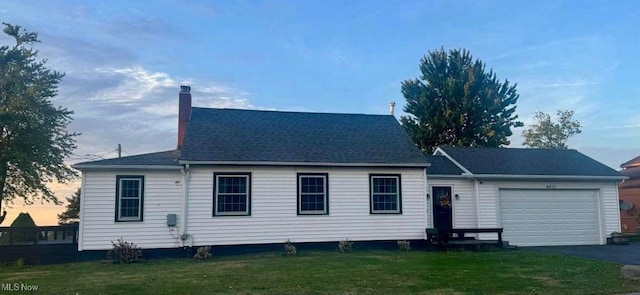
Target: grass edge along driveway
[{"x": 359, "y": 272}]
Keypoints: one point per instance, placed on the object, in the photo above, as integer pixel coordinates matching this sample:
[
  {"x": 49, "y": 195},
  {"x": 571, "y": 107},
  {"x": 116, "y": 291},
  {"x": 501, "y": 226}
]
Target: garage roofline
[{"x": 567, "y": 177}]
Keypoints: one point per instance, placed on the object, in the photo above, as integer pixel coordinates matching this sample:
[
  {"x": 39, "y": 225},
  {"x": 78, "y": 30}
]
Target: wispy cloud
[
  {"x": 549, "y": 95},
  {"x": 616, "y": 127},
  {"x": 333, "y": 53},
  {"x": 559, "y": 84},
  {"x": 134, "y": 105},
  {"x": 206, "y": 8},
  {"x": 544, "y": 47},
  {"x": 135, "y": 83},
  {"x": 143, "y": 29}
]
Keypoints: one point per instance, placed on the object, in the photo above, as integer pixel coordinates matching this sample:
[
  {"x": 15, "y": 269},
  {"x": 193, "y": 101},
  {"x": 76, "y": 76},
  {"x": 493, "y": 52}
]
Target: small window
[
  {"x": 232, "y": 194},
  {"x": 385, "y": 194},
  {"x": 313, "y": 194},
  {"x": 129, "y": 197}
]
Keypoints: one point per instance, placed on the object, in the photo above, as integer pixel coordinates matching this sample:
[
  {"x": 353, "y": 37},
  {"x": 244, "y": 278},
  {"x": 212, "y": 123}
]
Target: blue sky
[{"x": 124, "y": 61}]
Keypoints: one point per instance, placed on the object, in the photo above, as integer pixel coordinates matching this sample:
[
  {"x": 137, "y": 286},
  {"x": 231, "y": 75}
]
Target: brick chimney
[{"x": 184, "y": 112}]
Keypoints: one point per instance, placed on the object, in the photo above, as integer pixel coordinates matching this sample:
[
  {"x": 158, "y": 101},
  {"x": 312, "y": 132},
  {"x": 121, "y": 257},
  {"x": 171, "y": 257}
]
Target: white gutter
[
  {"x": 448, "y": 175},
  {"x": 126, "y": 167},
  {"x": 540, "y": 177},
  {"x": 185, "y": 195},
  {"x": 269, "y": 163},
  {"x": 574, "y": 177}
]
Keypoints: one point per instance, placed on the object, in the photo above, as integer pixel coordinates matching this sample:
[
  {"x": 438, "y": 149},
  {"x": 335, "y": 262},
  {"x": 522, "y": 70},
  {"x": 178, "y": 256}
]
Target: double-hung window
[
  {"x": 232, "y": 194},
  {"x": 313, "y": 193},
  {"x": 129, "y": 197},
  {"x": 385, "y": 195}
]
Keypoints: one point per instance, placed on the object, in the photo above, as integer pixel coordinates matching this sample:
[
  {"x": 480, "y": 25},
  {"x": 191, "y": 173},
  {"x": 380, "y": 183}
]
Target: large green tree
[
  {"x": 546, "y": 134},
  {"x": 72, "y": 213},
  {"x": 34, "y": 140},
  {"x": 456, "y": 102}
]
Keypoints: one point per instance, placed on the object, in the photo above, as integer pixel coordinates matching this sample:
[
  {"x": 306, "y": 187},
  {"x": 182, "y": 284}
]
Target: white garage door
[{"x": 549, "y": 217}]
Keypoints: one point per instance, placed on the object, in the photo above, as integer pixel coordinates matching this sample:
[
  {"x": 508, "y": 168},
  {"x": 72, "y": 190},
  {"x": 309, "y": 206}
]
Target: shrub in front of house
[
  {"x": 124, "y": 252},
  {"x": 404, "y": 246},
  {"x": 19, "y": 262},
  {"x": 289, "y": 248},
  {"x": 203, "y": 253},
  {"x": 345, "y": 246}
]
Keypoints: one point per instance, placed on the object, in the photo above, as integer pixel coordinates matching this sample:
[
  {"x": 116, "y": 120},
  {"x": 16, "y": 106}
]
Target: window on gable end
[{"x": 129, "y": 197}]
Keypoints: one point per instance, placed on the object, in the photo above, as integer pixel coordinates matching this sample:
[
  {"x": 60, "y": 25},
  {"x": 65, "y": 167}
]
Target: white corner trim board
[{"x": 440, "y": 151}]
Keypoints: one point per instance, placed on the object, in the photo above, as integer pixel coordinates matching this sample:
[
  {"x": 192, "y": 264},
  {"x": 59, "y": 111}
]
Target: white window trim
[
  {"x": 217, "y": 211},
  {"x": 120, "y": 198},
  {"x": 324, "y": 188},
  {"x": 397, "y": 193}
]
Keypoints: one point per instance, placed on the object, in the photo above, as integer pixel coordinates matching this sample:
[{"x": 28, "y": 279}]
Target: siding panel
[
  {"x": 611, "y": 207},
  {"x": 274, "y": 216},
  {"x": 162, "y": 193}
]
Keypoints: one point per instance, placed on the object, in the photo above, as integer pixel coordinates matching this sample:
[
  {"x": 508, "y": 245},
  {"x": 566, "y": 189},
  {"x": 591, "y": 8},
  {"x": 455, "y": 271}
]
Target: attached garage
[
  {"x": 540, "y": 197},
  {"x": 532, "y": 217}
]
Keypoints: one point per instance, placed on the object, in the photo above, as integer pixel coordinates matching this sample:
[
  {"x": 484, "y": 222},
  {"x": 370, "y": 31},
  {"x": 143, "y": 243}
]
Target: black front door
[{"x": 442, "y": 216}]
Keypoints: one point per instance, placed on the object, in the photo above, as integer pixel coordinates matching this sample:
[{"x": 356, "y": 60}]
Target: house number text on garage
[{"x": 551, "y": 186}]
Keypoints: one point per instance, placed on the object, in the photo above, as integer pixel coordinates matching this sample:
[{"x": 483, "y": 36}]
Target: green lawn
[{"x": 360, "y": 272}]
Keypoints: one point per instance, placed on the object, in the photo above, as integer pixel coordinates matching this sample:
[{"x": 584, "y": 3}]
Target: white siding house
[
  {"x": 244, "y": 177},
  {"x": 273, "y": 217}
]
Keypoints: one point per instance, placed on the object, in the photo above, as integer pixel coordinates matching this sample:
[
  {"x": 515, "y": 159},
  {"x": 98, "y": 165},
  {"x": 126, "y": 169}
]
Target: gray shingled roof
[
  {"x": 166, "y": 158},
  {"x": 520, "y": 161},
  {"x": 440, "y": 165},
  {"x": 232, "y": 135}
]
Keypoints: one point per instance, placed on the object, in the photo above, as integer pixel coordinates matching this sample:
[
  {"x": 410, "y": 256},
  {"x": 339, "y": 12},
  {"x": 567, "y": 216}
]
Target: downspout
[
  {"x": 618, "y": 211},
  {"x": 82, "y": 209},
  {"x": 185, "y": 196},
  {"x": 424, "y": 200},
  {"x": 477, "y": 189}
]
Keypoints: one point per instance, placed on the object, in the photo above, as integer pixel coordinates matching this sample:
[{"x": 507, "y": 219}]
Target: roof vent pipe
[{"x": 392, "y": 105}]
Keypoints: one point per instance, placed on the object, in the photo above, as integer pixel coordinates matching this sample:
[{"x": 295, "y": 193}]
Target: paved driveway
[{"x": 623, "y": 254}]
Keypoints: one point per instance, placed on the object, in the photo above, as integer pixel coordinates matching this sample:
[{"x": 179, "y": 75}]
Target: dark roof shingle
[
  {"x": 440, "y": 165},
  {"x": 165, "y": 158},
  {"x": 522, "y": 161},
  {"x": 233, "y": 135}
]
